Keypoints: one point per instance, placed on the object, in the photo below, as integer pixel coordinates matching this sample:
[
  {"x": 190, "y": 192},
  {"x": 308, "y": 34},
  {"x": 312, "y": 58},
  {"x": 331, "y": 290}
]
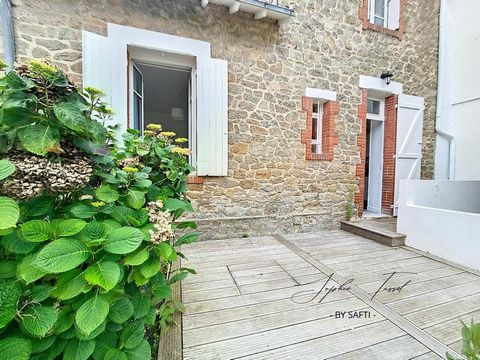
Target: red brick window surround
[
  {"x": 329, "y": 138},
  {"x": 367, "y": 24}
]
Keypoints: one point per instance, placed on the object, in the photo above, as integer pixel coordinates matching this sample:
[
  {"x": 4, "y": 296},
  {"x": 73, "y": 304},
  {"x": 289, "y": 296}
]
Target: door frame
[
  {"x": 379, "y": 189},
  {"x": 378, "y": 118}
]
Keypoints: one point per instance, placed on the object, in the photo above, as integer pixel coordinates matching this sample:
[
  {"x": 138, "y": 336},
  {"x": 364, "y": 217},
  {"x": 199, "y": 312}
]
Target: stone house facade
[{"x": 282, "y": 172}]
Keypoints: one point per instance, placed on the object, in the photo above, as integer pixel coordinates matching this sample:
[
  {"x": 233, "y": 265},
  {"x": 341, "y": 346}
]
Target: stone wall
[{"x": 270, "y": 186}]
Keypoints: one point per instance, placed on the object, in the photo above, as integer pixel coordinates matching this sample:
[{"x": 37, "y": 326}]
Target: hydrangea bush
[{"x": 85, "y": 266}]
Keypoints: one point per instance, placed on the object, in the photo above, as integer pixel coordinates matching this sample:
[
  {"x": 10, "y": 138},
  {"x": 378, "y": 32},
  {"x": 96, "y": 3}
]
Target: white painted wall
[
  {"x": 459, "y": 90},
  {"x": 442, "y": 218}
]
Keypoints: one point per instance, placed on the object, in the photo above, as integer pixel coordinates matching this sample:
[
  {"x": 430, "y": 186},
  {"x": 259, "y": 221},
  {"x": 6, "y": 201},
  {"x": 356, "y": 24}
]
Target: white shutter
[
  {"x": 393, "y": 13},
  {"x": 97, "y": 55},
  {"x": 408, "y": 156},
  {"x": 212, "y": 117},
  {"x": 96, "y": 62}
]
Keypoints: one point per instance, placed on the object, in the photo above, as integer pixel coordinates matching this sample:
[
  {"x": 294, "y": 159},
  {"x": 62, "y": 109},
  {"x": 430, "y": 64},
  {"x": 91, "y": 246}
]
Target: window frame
[
  {"x": 136, "y": 95},
  {"x": 372, "y": 16},
  {"x": 381, "y": 115},
  {"x": 318, "y": 116},
  {"x": 161, "y": 59}
]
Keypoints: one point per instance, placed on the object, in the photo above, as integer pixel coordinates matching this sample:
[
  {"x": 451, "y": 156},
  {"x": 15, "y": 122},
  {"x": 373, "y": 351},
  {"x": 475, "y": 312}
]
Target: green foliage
[
  {"x": 83, "y": 274},
  {"x": 351, "y": 208},
  {"x": 9, "y": 213},
  {"x": 471, "y": 342},
  {"x": 40, "y": 110}
]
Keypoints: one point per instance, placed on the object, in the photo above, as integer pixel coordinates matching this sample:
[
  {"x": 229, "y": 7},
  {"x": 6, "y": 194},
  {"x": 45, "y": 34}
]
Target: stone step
[{"x": 382, "y": 231}]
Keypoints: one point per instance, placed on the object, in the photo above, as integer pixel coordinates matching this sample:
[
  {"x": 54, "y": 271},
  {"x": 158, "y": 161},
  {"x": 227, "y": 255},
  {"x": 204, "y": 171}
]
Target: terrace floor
[{"x": 266, "y": 298}]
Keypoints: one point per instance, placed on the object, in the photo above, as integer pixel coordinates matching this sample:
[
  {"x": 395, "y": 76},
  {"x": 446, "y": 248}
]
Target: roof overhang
[{"x": 261, "y": 9}]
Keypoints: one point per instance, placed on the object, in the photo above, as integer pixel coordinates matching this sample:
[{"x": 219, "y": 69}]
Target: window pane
[
  {"x": 137, "y": 81},
  {"x": 314, "y": 129},
  {"x": 137, "y": 112},
  {"x": 315, "y": 149},
  {"x": 380, "y": 8},
  {"x": 379, "y": 21},
  {"x": 315, "y": 108},
  {"x": 373, "y": 107}
]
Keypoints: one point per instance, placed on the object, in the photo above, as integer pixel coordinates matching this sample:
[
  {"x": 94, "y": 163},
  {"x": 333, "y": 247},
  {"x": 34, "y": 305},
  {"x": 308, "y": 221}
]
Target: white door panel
[
  {"x": 408, "y": 156},
  {"x": 375, "y": 177}
]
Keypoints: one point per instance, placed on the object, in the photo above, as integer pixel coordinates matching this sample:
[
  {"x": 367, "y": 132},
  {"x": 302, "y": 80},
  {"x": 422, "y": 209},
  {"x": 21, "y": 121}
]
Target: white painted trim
[
  {"x": 121, "y": 38},
  {"x": 379, "y": 85},
  {"x": 381, "y": 115},
  {"x": 234, "y": 7},
  {"x": 158, "y": 41},
  {"x": 261, "y": 14},
  {"x": 319, "y": 117},
  {"x": 321, "y": 95}
]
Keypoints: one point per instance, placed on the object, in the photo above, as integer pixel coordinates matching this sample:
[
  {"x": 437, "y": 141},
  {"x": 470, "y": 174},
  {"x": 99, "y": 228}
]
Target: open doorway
[{"x": 374, "y": 157}]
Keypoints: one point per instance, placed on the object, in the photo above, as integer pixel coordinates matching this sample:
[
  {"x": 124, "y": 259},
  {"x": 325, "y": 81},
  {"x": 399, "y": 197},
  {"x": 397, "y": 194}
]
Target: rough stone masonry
[{"x": 270, "y": 186}]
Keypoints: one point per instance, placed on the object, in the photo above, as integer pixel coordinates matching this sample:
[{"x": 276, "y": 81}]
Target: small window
[
  {"x": 317, "y": 117},
  {"x": 385, "y": 13},
  {"x": 375, "y": 109}
]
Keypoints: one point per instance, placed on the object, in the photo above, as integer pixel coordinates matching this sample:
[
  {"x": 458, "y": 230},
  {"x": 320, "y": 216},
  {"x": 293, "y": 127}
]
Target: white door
[
  {"x": 375, "y": 168},
  {"x": 408, "y": 156}
]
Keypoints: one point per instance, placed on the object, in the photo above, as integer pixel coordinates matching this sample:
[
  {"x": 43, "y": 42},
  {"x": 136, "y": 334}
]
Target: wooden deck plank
[
  {"x": 247, "y": 299},
  {"x": 415, "y": 288},
  {"x": 451, "y": 331},
  {"x": 446, "y": 311},
  {"x": 372, "y": 254},
  {"x": 195, "y": 296},
  {"x": 401, "y": 348},
  {"x": 420, "y": 277},
  {"x": 410, "y": 300},
  {"x": 428, "y": 356},
  {"x": 268, "y": 285},
  {"x": 334, "y": 344},
  {"x": 281, "y": 337},
  {"x": 251, "y": 311},
  {"x": 208, "y": 285},
  {"x": 406, "y": 325},
  {"x": 262, "y": 322}
]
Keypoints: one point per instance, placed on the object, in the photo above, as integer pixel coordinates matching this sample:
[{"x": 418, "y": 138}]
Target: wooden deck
[{"x": 262, "y": 298}]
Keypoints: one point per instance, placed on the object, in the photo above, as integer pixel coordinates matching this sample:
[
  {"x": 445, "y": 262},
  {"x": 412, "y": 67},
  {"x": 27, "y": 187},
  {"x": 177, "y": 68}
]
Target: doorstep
[{"x": 382, "y": 230}]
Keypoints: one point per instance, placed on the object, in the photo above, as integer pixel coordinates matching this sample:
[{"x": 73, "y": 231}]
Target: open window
[
  {"x": 385, "y": 13},
  {"x": 171, "y": 80},
  {"x": 161, "y": 94}
]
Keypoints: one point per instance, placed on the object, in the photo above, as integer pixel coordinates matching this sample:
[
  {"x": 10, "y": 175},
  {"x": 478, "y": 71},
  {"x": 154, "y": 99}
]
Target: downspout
[
  {"x": 442, "y": 117},
  {"x": 7, "y": 27}
]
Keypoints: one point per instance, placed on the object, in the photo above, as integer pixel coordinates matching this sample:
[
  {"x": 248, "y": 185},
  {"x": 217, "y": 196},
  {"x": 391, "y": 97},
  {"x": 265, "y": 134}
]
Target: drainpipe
[
  {"x": 442, "y": 115},
  {"x": 8, "y": 38}
]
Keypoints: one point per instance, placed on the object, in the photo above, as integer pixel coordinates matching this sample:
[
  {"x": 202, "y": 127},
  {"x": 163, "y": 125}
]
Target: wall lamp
[{"x": 387, "y": 76}]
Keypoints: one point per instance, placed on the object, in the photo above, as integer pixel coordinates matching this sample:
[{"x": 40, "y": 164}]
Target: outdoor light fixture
[{"x": 387, "y": 76}]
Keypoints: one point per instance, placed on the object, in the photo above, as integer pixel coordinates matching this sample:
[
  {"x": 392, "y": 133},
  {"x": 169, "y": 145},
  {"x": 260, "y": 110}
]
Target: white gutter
[
  {"x": 7, "y": 27},
  {"x": 442, "y": 115}
]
